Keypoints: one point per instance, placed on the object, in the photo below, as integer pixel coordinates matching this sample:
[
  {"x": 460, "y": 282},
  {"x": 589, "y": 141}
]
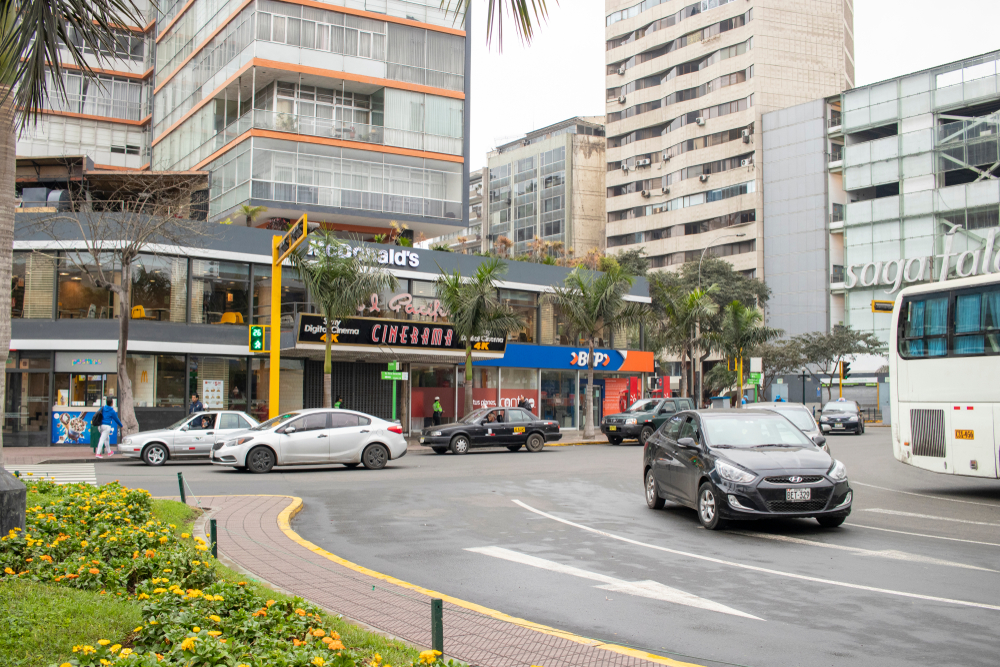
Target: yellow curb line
[
  {"x": 574, "y": 444},
  {"x": 284, "y": 523}
]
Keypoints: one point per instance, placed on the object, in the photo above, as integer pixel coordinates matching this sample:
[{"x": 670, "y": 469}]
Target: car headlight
[
  {"x": 238, "y": 441},
  {"x": 436, "y": 433},
  {"x": 127, "y": 441},
  {"x": 824, "y": 418},
  {"x": 632, "y": 421},
  {"x": 734, "y": 474},
  {"x": 838, "y": 472},
  {"x": 852, "y": 418}
]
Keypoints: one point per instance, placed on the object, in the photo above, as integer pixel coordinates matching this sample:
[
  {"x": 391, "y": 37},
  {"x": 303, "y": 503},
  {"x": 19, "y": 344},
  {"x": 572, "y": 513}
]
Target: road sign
[
  {"x": 258, "y": 339},
  {"x": 754, "y": 378},
  {"x": 395, "y": 366},
  {"x": 395, "y": 375}
]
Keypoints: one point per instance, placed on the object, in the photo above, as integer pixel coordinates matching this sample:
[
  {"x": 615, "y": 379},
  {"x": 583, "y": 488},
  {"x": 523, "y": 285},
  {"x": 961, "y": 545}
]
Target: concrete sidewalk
[
  {"x": 13, "y": 456},
  {"x": 255, "y": 536}
]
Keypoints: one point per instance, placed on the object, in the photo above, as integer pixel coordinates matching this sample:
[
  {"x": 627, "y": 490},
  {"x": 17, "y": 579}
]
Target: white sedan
[
  {"x": 191, "y": 437},
  {"x": 307, "y": 437}
]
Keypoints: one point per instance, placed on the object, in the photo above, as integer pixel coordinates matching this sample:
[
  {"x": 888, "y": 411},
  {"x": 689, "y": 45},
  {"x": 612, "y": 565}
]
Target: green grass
[
  {"x": 41, "y": 623},
  {"x": 393, "y": 652}
]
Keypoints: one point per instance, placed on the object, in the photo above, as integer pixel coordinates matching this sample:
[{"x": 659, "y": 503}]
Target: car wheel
[
  {"x": 260, "y": 460},
  {"x": 514, "y": 448},
  {"x": 615, "y": 441},
  {"x": 155, "y": 455},
  {"x": 644, "y": 435},
  {"x": 708, "y": 507},
  {"x": 439, "y": 450},
  {"x": 375, "y": 456},
  {"x": 459, "y": 445},
  {"x": 351, "y": 465},
  {"x": 653, "y": 499},
  {"x": 535, "y": 443},
  {"x": 831, "y": 521}
]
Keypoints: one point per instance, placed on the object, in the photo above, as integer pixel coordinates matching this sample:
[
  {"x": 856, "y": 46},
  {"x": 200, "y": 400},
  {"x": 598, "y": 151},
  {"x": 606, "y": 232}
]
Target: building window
[
  {"x": 159, "y": 288},
  {"x": 32, "y": 283},
  {"x": 291, "y": 383},
  {"x": 294, "y": 298},
  {"x": 79, "y": 295},
  {"x": 158, "y": 380},
  {"x": 220, "y": 292},
  {"x": 558, "y": 397},
  {"x": 524, "y": 304},
  {"x": 517, "y": 385},
  {"x": 220, "y": 382}
]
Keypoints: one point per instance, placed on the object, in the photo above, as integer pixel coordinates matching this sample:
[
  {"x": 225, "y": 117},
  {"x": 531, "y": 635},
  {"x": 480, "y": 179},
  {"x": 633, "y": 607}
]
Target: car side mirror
[
  {"x": 687, "y": 443},
  {"x": 819, "y": 440},
  {"x": 288, "y": 430}
]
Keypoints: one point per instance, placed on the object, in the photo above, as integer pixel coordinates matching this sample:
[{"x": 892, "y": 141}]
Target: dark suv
[{"x": 642, "y": 418}]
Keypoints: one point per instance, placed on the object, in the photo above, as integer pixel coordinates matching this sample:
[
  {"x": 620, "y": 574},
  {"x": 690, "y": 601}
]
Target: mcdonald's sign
[{"x": 144, "y": 377}]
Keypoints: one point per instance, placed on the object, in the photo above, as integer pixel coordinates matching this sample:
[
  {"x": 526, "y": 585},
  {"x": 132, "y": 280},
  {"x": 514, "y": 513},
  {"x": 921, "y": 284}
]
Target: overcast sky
[{"x": 562, "y": 73}]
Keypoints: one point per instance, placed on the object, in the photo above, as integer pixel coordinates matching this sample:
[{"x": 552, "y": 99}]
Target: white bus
[{"x": 944, "y": 376}]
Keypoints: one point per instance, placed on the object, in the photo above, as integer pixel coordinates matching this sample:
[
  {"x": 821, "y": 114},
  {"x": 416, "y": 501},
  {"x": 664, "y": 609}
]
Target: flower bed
[{"x": 106, "y": 539}]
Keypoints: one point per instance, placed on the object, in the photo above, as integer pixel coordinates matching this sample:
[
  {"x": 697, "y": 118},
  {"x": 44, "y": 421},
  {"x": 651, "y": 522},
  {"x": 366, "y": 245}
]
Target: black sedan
[
  {"x": 744, "y": 464},
  {"x": 492, "y": 427},
  {"x": 842, "y": 416}
]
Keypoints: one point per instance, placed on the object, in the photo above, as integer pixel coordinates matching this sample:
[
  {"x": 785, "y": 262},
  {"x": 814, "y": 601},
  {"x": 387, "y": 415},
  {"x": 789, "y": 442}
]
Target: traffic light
[
  {"x": 845, "y": 370},
  {"x": 257, "y": 340}
]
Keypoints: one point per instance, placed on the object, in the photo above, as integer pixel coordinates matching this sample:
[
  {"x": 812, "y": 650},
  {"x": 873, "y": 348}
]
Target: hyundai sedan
[
  {"x": 744, "y": 464},
  {"x": 310, "y": 437}
]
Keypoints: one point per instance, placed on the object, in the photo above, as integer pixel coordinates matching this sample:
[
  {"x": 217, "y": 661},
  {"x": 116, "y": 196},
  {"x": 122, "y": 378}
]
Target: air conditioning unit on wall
[
  {"x": 621, "y": 99},
  {"x": 699, "y": 120},
  {"x": 645, "y": 193},
  {"x": 645, "y": 162},
  {"x": 703, "y": 178}
]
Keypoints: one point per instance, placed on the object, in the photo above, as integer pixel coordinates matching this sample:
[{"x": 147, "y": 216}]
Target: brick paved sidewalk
[
  {"x": 250, "y": 537},
  {"x": 34, "y": 455}
]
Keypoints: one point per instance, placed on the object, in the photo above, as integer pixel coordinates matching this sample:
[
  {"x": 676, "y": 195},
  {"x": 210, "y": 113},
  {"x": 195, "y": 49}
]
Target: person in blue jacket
[{"x": 108, "y": 417}]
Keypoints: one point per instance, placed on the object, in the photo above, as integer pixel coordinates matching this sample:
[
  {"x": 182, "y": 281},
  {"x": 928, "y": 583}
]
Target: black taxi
[{"x": 492, "y": 427}]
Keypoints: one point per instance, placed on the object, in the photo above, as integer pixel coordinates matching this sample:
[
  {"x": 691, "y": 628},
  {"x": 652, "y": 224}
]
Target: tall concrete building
[
  {"x": 687, "y": 84},
  {"x": 352, "y": 111},
  {"x": 549, "y": 185}
]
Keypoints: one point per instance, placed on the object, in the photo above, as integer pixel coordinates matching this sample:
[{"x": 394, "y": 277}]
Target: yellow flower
[
  {"x": 300, "y": 612},
  {"x": 196, "y": 629},
  {"x": 65, "y": 664},
  {"x": 142, "y": 596},
  {"x": 214, "y": 633},
  {"x": 271, "y": 603},
  {"x": 88, "y": 649},
  {"x": 103, "y": 642},
  {"x": 185, "y": 535},
  {"x": 196, "y": 562},
  {"x": 163, "y": 540},
  {"x": 376, "y": 659},
  {"x": 429, "y": 657},
  {"x": 318, "y": 633},
  {"x": 187, "y": 644},
  {"x": 126, "y": 652},
  {"x": 318, "y": 661},
  {"x": 7, "y": 570},
  {"x": 137, "y": 629},
  {"x": 215, "y": 618},
  {"x": 83, "y": 543},
  {"x": 159, "y": 590},
  {"x": 168, "y": 570},
  {"x": 115, "y": 648},
  {"x": 105, "y": 662}
]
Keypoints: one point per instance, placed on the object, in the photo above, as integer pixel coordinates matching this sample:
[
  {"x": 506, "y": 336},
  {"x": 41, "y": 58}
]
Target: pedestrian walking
[
  {"x": 108, "y": 417},
  {"x": 339, "y": 403},
  {"x": 523, "y": 403},
  {"x": 438, "y": 410},
  {"x": 196, "y": 405}
]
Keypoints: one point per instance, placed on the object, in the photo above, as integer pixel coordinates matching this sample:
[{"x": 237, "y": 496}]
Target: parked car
[
  {"x": 642, "y": 418},
  {"x": 744, "y": 464},
  {"x": 316, "y": 436},
  {"x": 841, "y": 416},
  {"x": 189, "y": 438},
  {"x": 798, "y": 414},
  {"x": 492, "y": 427}
]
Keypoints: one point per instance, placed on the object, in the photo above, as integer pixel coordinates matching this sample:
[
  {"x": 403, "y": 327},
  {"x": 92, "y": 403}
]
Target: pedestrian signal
[
  {"x": 845, "y": 370},
  {"x": 257, "y": 338}
]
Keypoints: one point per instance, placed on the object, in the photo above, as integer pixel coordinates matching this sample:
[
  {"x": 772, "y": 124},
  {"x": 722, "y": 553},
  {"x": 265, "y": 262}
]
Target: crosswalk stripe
[{"x": 60, "y": 473}]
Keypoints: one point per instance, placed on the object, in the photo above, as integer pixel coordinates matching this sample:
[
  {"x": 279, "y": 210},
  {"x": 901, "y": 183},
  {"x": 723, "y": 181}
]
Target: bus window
[
  {"x": 925, "y": 329},
  {"x": 977, "y": 319}
]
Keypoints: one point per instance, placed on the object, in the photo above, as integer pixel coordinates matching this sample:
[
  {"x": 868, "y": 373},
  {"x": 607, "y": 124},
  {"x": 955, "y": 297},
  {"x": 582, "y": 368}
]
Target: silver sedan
[
  {"x": 191, "y": 437},
  {"x": 317, "y": 436}
]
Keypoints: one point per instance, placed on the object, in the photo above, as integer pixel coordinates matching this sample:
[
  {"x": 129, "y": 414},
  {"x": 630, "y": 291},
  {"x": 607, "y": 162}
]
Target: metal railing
[
  {"x": 837, "y": 273},
  {"x": 836, "y": 152},
  {"x": 835, "y": 118}
]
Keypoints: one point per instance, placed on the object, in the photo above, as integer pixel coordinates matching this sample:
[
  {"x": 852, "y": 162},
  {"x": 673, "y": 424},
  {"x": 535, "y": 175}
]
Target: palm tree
[
  {"x": 338, "y": 280},
  {"x": 251, "y": 213},
  {"x": 524, "y": 14},
  {"x": 593, "y": 303},
  {"x": 742, "y": 328},
  {"x": 680, "y": 316},
  {"x": 475, "y": 310}
]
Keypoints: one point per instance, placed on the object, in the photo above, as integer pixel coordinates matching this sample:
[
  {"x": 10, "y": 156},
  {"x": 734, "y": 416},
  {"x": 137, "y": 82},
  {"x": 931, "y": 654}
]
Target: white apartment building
[{"x": 687, "y": 84}]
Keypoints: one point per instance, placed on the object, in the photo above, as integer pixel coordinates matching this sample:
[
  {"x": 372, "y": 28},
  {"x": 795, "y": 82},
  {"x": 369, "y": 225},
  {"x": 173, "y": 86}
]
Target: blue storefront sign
[
  {"x": 518, "y": 355},
  {"x": 72, "y": 427}
]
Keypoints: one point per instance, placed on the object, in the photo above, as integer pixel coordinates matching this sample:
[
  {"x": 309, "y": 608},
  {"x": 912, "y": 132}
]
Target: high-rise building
[
  {"x": 548, "y": 185},
  {"x": 686, "y": 87},
  {"x": 469, "y": 239},
  {"x": 353, "y": 112}
]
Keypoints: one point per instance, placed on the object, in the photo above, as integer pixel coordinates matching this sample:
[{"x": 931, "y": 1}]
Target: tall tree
[
  {"x": 778, "y": 358},
  {"x": 742, "y": 329},
  {"x": 593, "y": 304},
  {"x": 679, "y": 325},
  {"x": 338, "y": 280},
  {"x": 476, "y": 310},
  {"x": 634, "y": 262},
  {"x": 823, "y": 352}
]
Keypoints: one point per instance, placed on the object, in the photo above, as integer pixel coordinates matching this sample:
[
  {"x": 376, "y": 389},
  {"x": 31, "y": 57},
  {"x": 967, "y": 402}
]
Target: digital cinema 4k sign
[{"x": 373, "y": 332}]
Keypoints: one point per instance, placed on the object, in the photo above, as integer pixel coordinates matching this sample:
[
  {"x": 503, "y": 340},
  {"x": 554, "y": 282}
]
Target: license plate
[
  {"x": 798, "y": 495},
  {"x": 962, "y": 434},
  {"x": 612, "y": 428},
  {"x": 838, "y": 426}
]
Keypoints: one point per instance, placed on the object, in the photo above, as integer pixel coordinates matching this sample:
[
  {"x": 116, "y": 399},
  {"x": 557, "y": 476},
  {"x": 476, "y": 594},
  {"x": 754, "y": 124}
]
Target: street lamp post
[
  {"x": 697, "y": 323},
  {"x": 724, "y": 236}
]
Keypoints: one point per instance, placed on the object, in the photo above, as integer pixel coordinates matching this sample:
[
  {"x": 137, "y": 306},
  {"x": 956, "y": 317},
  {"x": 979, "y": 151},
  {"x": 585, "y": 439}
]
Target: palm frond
[{"x": 524, "y": 14}]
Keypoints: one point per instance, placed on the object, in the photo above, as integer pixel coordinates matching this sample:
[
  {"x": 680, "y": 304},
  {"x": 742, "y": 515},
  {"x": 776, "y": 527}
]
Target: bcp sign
[{"x": 582, "y": 359}]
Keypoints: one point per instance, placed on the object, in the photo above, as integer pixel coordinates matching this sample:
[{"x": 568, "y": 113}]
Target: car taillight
[{"x": 395, "y": 428}]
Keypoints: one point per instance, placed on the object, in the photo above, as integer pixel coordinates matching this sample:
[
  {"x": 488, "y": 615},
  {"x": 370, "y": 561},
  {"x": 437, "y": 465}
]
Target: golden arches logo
[{"x": 144, "y": 377}]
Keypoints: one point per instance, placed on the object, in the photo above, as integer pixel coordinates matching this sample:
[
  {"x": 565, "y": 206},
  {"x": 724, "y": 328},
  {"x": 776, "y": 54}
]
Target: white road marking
[
  {"x": 646, "y": 589},
  {"x": 934, "y": 537},
  {"x": 924, "y": 495},
  {"x": 879, "y": 510},
  {"x": 754, "y": 568},
  {"x": 64, "y": 473},
  {"x": 891, "y": 554}
]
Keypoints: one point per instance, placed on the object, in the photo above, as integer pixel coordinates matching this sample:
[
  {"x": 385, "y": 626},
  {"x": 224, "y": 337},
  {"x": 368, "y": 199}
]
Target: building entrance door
[{"x": 26, "y": 409}]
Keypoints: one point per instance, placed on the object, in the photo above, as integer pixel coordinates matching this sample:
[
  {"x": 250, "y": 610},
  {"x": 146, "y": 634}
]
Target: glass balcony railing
[
  {"x": 969, "y": 130},
  {"x": 835, "y": 118},
  {"x": 836, "y": 274},
  {"x": 836, "y": 152}
]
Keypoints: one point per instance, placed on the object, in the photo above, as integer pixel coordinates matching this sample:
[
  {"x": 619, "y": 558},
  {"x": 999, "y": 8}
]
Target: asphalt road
[{"x": 564, "y": 538}]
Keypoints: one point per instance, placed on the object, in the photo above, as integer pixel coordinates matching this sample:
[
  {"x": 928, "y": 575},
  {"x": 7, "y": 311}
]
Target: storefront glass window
[
  {"x": 558, "y": 397},
  {"x": 26, "y": 408},
  {"x": 485, "y": 382},
  {"x": 84, "y": 391},
  {"x": 518, "y": 385},
  {"x": 426, "y": 306},
  {"x": 391, "y": 304},
  {"x": 293, "y": 296},
  {"x": 220, "y": 292},
  {"x": 292, "y": 377},
  {"x": 554, "y": 327},
  {"x": 78, "y": 295},
  {"x": 159, "y": 288},
  {"x": 158, "y": 381},
  {"x": 32, "y": 281},
  {"x": 220, "y": 382},
  {"x": 525, "y": 305},
  {"x": 427, "y": 382}
]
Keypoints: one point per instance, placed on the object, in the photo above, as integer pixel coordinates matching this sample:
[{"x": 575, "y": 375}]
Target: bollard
[
  {"x": 180, "y": 482},
  {"x": 437, "y": 625},
  {"x": 17, "y": 473},
  {"x": 214, "y": 537}
]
